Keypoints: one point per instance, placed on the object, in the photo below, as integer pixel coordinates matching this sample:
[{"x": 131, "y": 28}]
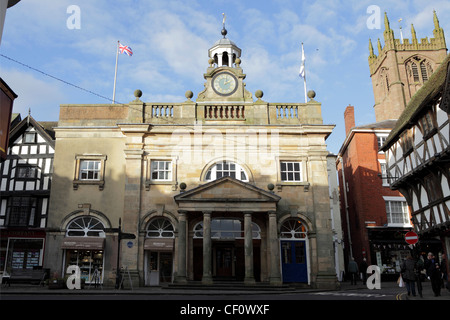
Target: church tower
[{"x": 402, "y": 67}]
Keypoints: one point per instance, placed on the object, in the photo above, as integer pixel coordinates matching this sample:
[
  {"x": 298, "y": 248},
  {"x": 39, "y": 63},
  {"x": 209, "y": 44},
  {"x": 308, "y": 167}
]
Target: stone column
[
  {"x": 274, "y": 246},
  {"x": 248, "y": 249},
  {"x": 207, "y": 274},
  {"x": 181, "y": 248}
]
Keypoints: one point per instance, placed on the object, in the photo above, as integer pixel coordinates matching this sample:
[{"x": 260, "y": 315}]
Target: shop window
[
  {"x": 24, "y": 254},
  {"x": 90, "y": 263}
]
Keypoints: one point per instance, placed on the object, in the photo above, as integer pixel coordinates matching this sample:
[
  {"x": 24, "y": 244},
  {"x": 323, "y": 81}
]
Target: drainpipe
[{"x": 346, "y": 205}]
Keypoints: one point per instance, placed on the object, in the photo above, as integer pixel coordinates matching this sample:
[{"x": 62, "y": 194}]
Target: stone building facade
[{"x": 226, "y": 187}]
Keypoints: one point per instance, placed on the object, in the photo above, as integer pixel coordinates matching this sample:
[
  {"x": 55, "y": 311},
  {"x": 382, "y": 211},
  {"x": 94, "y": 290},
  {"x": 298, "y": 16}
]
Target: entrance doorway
[
  {"x": 224, "y": 261},
  {"x": 293, "y": 261},
  {"x": 159, "y": 268}
]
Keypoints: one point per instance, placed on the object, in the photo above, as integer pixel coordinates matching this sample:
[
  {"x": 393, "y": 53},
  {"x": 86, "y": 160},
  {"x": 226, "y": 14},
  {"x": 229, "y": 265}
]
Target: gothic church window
[{"x": 418, "y": 70}]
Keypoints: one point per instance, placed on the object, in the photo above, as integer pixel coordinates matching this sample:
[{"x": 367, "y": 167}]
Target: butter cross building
[{"x": 223, "y": 187}]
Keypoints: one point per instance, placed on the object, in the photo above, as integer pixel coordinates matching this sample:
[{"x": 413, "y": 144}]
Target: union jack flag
[{"x": 125, "y": 49}]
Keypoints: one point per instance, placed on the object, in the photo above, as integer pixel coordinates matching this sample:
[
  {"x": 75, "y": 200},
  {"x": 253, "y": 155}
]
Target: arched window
[
  {"x": 224, "y": 228},
  {"x": 160, "y": 228},
  {"x": 226, "y": 169},
  {"x": 293, "y": 229},
  {"x": 85, "y": 226}
]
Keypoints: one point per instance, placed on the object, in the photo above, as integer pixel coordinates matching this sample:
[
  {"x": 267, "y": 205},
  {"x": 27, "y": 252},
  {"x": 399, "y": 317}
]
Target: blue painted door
[{"x": 293, "y": 261}]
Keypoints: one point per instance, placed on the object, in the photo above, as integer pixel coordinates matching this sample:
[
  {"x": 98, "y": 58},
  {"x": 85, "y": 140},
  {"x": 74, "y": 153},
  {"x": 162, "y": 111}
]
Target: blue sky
[{"x": 170, "y": 40}]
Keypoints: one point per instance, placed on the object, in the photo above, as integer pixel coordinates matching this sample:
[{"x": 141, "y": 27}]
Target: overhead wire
[{"x": 245, "y": 144}]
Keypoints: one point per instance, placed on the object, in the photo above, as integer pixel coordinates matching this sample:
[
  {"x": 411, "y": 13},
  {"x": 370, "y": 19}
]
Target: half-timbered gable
[
  {"x": 418, "y": 154},
  {"x": 25, "y": 182}
]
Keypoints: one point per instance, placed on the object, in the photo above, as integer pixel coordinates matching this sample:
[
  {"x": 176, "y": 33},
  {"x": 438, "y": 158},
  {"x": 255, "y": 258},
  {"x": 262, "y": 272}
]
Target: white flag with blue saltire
[{"x": 302, "y": 72}]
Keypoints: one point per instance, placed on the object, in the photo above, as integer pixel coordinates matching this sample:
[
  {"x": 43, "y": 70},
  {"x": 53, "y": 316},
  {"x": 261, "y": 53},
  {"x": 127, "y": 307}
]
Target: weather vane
[
  {"x": 224, "y": 31},
  {"x": 223, "y": 21}
]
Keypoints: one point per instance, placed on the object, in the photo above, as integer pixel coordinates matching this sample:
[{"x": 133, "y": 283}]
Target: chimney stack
[{"x": 349, "y": 117}]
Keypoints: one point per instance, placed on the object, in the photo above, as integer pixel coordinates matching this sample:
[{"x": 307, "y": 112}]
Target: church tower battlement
[{"x": 402, "y": 66}]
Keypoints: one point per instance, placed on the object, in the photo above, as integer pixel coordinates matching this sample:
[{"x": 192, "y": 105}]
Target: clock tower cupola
[
  {"x": 225, "y": 52},
  {"x": 224, "y": 75}
]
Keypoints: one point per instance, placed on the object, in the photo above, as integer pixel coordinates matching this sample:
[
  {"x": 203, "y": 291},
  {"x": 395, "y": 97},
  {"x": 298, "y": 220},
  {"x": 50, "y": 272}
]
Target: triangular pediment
[{"x": 227, "y": 189}]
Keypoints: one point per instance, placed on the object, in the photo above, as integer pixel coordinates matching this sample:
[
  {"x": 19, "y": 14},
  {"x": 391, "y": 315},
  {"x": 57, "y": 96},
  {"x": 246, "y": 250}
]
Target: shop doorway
[{"x": 159, "y": 268}]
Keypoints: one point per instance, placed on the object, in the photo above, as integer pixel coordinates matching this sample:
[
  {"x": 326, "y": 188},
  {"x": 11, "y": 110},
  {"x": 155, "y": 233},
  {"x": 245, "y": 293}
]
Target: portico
[{"x": 235, "y": 225}]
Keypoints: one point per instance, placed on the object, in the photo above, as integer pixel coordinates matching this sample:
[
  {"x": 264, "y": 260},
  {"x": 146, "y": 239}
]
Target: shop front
[
  {"x": 84, "y": 246},
  {"x": 21, "y": 249},
  {"x": 158, "y": 261},
  {"x": 388, "y": 250},
  {"x": 88, "y": 255}
]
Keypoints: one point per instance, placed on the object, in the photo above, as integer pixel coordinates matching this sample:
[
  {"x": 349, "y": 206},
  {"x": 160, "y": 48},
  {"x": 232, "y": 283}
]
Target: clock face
[{"x": 224, "y": 84}]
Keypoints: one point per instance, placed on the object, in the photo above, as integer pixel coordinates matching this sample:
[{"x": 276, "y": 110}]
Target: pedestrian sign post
[{"x": 411, "y": 237}]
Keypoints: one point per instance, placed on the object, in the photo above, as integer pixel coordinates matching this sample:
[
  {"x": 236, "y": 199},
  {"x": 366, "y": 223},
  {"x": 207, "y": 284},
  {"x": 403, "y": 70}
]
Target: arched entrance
[
  {"x": 84, "y": 247},
  {"x": 294, "y": 241},
  {"x": 158, "y": 246}
]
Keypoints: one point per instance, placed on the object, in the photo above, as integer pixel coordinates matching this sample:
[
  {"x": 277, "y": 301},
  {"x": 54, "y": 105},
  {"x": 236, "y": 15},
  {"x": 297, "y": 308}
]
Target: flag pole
[
  {"x": 304, "y": 70},
  {"x": 115, "y": 74}
]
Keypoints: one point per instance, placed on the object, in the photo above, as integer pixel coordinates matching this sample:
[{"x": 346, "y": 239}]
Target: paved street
[
  {"x": 388, "y": 291},
  {"x": 213, "y": 303}
]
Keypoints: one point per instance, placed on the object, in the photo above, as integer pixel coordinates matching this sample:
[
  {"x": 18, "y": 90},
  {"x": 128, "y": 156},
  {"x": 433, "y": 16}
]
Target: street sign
[
  {"x": 123, "y": 235},
  {"x": 411, "y": 237}
]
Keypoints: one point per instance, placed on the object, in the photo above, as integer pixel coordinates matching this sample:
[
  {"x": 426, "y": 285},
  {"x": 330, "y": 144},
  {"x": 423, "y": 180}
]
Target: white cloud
[{"x": 41, "y": 96}]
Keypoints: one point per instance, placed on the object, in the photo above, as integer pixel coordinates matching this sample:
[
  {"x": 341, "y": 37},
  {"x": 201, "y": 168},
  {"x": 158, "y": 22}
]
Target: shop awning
[
  {"x": 83, "y": 243},
  {"x": 159, "y": 244}
]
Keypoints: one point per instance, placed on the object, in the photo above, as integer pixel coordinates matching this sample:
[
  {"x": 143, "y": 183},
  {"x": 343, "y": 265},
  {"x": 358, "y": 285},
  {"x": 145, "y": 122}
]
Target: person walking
[
  {"x": 363, "y": 269},
  {"x": 434, "y": 273},
  {"x": 420, "y": 265},
  {"x": 353, "y": 270},
  {"x": 408, "y": 269}
]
